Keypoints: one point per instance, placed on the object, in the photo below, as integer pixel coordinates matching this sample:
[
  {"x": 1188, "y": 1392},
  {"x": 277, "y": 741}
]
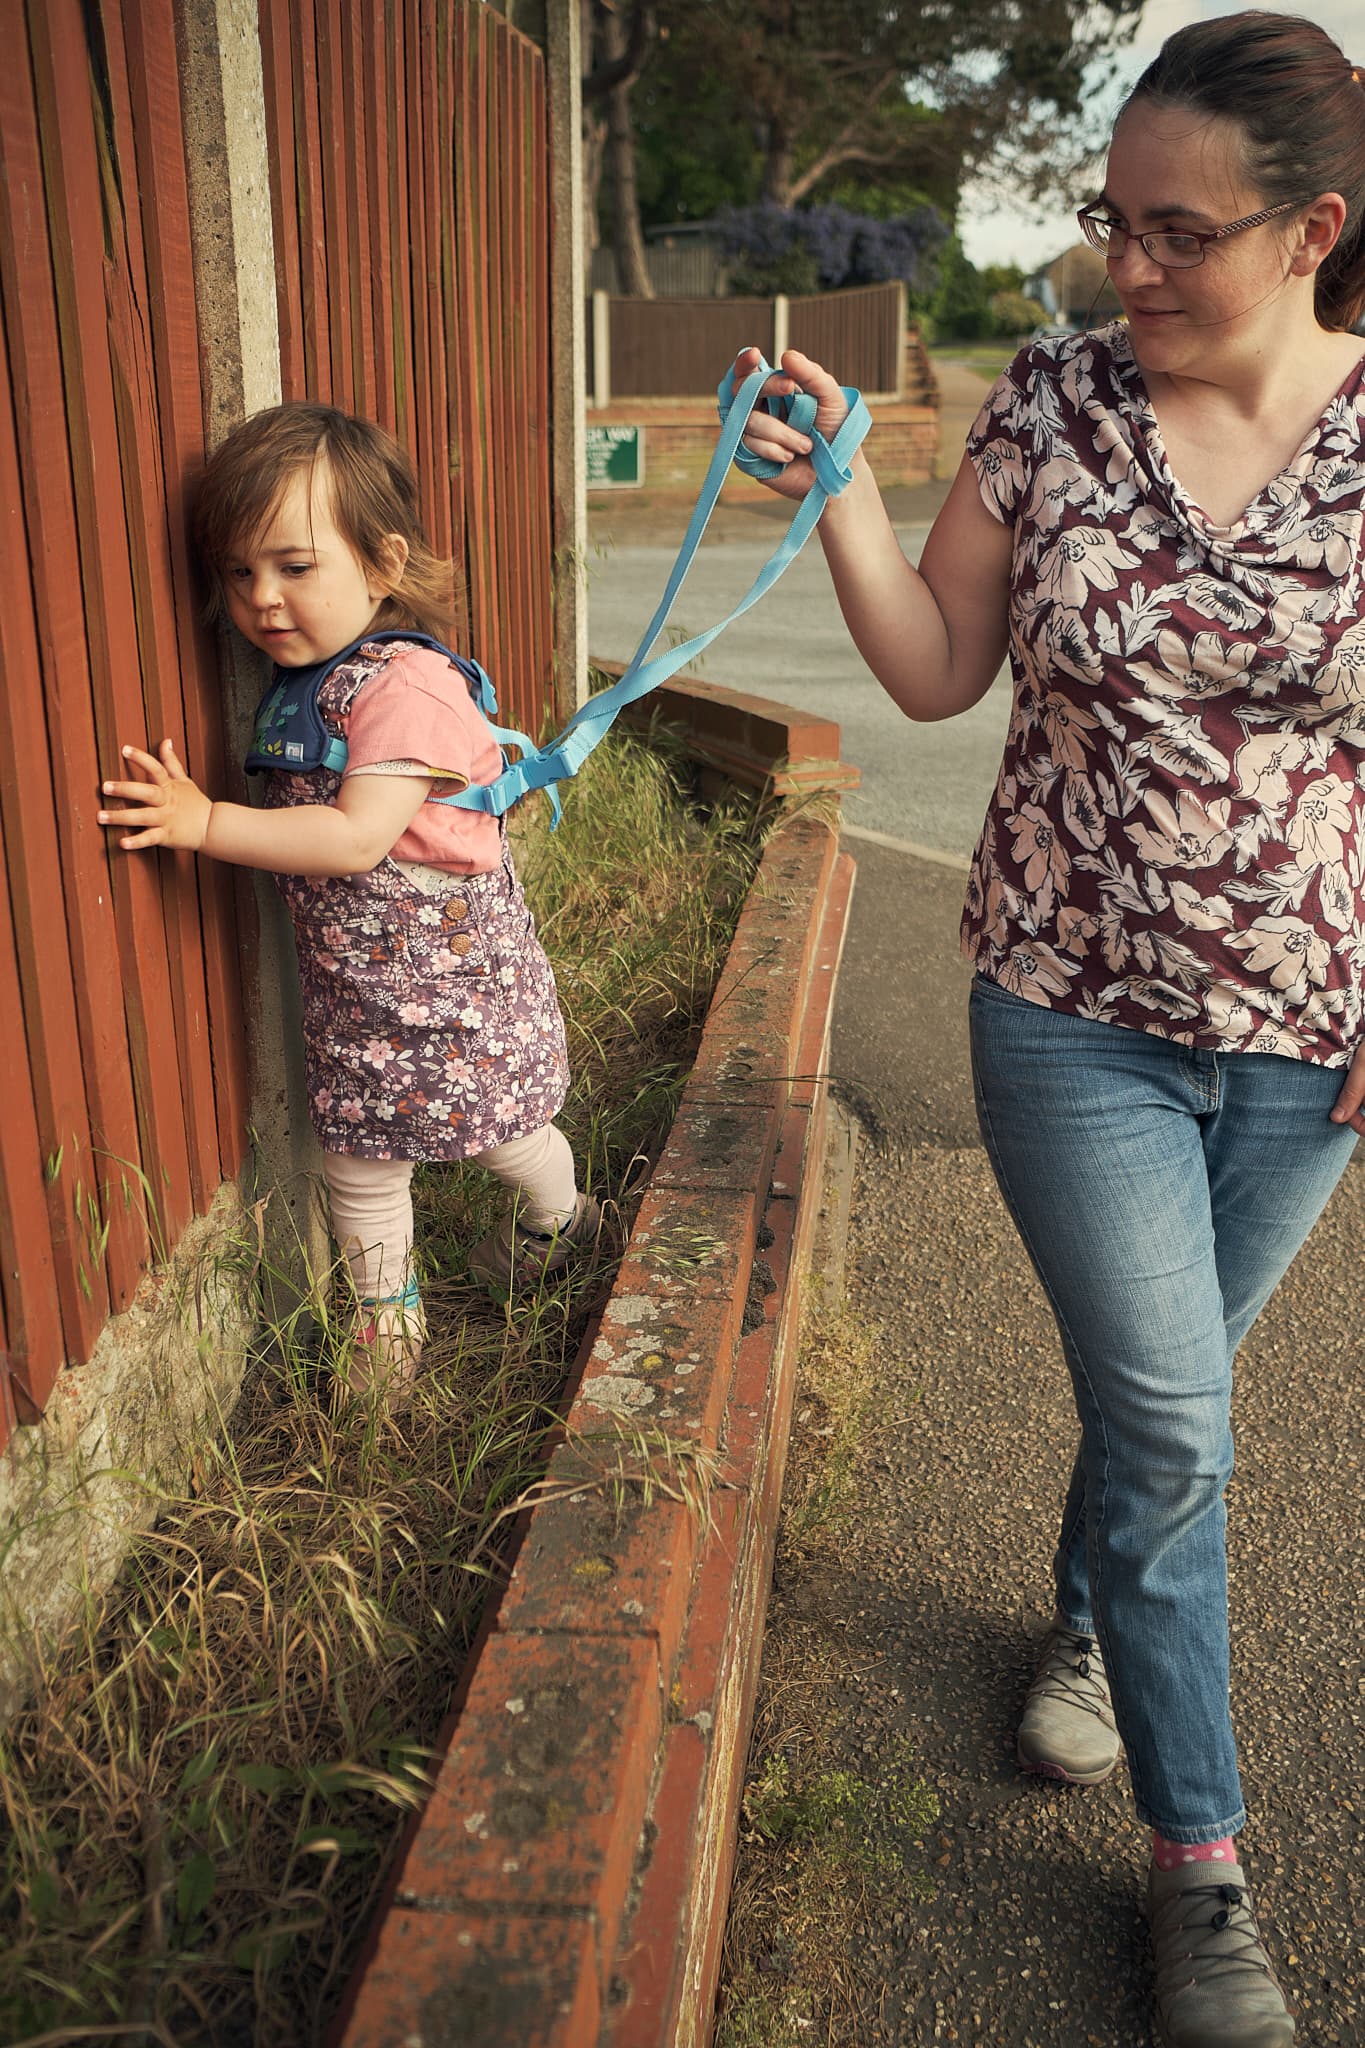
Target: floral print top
[{"x": 1176, "y": 842}]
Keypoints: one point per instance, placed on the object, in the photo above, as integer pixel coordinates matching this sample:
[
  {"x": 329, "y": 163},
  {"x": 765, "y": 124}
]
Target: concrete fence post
[
  {"x": 601, "y": 349},
  {"x": 782, "y": 326},
  {"x": 234, "y": 287}
]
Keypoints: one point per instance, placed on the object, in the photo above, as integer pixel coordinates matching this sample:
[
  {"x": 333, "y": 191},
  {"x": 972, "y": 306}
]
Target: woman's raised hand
[
  {"x": 774, "y": 439},
  {"x": 173, "y": 811}
]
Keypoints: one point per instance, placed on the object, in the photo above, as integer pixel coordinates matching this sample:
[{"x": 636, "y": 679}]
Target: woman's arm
[
  {"x": 350, "y": 837},
  {"x": 934, "y": 637}
]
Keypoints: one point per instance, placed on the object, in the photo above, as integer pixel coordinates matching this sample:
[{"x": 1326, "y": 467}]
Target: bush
[
  {"x": 961, "y": 309},
  {"x": 772, "y": 248},
  {"x": 1014, "y": 313}
]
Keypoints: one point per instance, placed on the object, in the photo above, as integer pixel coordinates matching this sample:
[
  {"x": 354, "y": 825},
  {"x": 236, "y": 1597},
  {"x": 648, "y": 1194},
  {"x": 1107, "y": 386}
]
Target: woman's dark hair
[{"x": 1301, "y": 106}]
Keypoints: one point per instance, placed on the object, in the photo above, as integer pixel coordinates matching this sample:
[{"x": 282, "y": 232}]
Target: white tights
[{"x": 371, "y": 1202}]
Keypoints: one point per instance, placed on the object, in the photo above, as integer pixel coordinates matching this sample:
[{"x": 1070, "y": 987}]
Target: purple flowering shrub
[{"x": 772, "y": 248}]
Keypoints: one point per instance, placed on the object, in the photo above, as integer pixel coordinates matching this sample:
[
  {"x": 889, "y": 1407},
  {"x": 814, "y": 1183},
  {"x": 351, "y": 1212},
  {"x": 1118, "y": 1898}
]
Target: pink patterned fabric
[
  {"x": 431, "y": 1022},
  {"x": 1176, "y": 842},
  {"x": 1170, "y": 1855},
  {"x": 416, "y": 706}
]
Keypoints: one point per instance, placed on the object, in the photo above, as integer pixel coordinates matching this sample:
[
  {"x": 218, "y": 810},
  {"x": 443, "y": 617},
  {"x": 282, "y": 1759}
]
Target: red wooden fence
[
  {"x": 409, "y": 183},
  {"x": 409, "y": 172},
  {"x": 125, "y": 1098}
]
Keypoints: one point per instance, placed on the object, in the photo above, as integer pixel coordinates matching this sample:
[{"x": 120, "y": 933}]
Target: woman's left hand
[
  {"x": 772, "y": 438},
  {"x": 173, "y": 810},
  {"x": 1348, "y": 1106}
]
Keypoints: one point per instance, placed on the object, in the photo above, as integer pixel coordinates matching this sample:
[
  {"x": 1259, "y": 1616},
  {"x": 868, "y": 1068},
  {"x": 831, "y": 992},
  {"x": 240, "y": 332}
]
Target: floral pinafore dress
[{"x": 431, "y": 1022}]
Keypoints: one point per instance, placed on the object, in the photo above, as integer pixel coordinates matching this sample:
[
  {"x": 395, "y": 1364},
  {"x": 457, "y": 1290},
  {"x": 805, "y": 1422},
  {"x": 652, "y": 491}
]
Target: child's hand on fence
[
  {"x": 774, "y": 439},
  {"x": 172, "y": 811}
]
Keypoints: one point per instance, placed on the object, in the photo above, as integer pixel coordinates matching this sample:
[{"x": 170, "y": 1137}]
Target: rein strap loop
[{"x": 543, "y": 767}]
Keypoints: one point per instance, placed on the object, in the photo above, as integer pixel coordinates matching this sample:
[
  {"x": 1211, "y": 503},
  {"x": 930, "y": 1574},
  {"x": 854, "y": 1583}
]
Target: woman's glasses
[{"x": 1178, "y": 250}]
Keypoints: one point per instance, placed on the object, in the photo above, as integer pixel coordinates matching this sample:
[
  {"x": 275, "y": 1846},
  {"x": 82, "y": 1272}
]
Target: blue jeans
[{"x": 1161, "y": 1193}]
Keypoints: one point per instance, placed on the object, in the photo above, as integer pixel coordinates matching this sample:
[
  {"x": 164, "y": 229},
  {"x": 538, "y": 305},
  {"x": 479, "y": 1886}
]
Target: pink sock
[{"x": 1166, "y": 1855}]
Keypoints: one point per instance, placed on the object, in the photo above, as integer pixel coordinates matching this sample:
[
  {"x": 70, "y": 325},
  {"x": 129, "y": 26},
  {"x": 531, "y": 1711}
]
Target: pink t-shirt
[
  {"x": 417, "y": 717},
  {"x": 1176, "y": 842}
]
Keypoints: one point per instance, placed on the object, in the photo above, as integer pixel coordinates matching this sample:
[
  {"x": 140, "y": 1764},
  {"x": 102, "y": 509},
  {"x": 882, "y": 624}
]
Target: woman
[{"x": 1163, "y": 522}]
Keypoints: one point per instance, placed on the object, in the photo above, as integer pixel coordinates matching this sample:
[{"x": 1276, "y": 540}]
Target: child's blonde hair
[{"x": 373, "y": 494}]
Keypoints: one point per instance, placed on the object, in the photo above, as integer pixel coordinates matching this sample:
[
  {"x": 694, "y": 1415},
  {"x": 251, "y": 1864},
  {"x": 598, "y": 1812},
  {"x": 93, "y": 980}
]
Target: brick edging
[{"x": 567, "y": 1882}]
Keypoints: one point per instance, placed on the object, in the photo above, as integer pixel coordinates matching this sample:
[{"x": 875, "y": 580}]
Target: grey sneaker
[
  {"x": 1067, "y": 1727},
  {"x": 1214, "y": 1984},
  {"x": 513, "y": 1257}
]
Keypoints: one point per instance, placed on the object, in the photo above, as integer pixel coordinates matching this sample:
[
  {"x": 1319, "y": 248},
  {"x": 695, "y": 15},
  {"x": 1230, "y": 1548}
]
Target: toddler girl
[{"x": 431, "y": 1024}]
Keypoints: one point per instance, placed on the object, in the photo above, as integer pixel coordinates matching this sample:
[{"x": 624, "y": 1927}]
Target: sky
[{"x": 995, "y": 233}]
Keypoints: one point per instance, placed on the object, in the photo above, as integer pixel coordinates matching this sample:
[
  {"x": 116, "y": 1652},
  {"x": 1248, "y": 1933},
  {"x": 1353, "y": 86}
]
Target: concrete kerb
[{"x": 567, "y": 1882}]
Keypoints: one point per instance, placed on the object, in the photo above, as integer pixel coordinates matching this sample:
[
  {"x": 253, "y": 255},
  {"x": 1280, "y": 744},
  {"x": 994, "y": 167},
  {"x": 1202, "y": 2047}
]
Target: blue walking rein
[
  {"x": 292, "y": 735},
  {"x": 543, "y": 767}
]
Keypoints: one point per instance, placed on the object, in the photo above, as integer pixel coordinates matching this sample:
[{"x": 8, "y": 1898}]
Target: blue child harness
[{"x": 291, "y": 734}]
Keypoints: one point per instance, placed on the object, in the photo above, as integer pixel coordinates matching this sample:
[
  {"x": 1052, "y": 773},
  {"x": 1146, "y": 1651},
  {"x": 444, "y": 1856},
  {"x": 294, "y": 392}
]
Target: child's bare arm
[{"x": 350, "y": 837}]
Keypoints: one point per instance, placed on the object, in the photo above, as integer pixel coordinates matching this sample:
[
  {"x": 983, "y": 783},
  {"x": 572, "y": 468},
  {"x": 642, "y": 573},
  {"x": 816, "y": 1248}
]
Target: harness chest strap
[{"x": 291, "y": 735}]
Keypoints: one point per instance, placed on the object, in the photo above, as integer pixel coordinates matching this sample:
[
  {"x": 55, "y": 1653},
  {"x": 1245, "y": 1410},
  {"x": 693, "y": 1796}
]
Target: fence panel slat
[
  {"x": 435, "y": 171},
  {"x": 508, "y": 516},
  {"x": 133, "y": 373},
  {"x": 29, "y": 1275},
  {"x": 404, "y": 341},
  {"x": 76, "y": 202},
  {"x": 335, "y": 146},
  {"x": 40, "y": 1015},
  {"x": 537, "y": 233},
  {"x": 452, "y": 315},
  {"x": 63, "y": 680},
  {"x": 158, "y": 131},
  {"x": 474, "y": 455},
  {"x": 373, "y": 42},
  {"x": 415, "y": 282},
  {"x": 677, "y": 348},
  {"x": 293, "y": 21},
  {"x": 357, "y": 91},
  {"x": 859, "y": 333}
]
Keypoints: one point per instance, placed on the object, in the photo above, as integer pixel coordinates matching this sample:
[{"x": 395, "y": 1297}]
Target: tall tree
[
  {"x": 618, "y": 38},
  {"x": 909, "y": 93}
]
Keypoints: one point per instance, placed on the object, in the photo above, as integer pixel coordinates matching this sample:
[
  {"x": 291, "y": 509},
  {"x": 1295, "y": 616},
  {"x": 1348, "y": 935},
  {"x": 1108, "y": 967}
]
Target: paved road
[{"x": 1034, "y": 1938}]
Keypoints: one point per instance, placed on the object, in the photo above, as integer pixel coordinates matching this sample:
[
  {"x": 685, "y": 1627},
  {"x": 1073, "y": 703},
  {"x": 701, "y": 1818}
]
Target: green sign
[{"x": 616, "y": 457}]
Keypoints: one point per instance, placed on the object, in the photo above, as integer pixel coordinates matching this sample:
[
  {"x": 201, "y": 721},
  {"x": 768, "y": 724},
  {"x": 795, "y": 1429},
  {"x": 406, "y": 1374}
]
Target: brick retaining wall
[{"x": 567, "y": 1884}]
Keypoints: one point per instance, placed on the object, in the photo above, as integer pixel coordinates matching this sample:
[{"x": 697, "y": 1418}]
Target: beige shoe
[
  {"x": 1214, "y": 1984},
  {"x": 512, "y": 1257},
  {"x": 1067, "y": 1728}
]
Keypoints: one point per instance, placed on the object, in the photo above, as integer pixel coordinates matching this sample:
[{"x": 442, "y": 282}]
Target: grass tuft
[{"x": 202, "y": 1798}]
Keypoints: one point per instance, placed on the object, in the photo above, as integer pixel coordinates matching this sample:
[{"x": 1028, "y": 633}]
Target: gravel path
[{"x": 1035, "y": 1938}]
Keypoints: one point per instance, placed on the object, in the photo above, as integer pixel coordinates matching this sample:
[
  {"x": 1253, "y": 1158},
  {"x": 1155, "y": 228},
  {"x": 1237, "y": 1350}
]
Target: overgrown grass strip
[{"x": 204, "y": 1794}]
